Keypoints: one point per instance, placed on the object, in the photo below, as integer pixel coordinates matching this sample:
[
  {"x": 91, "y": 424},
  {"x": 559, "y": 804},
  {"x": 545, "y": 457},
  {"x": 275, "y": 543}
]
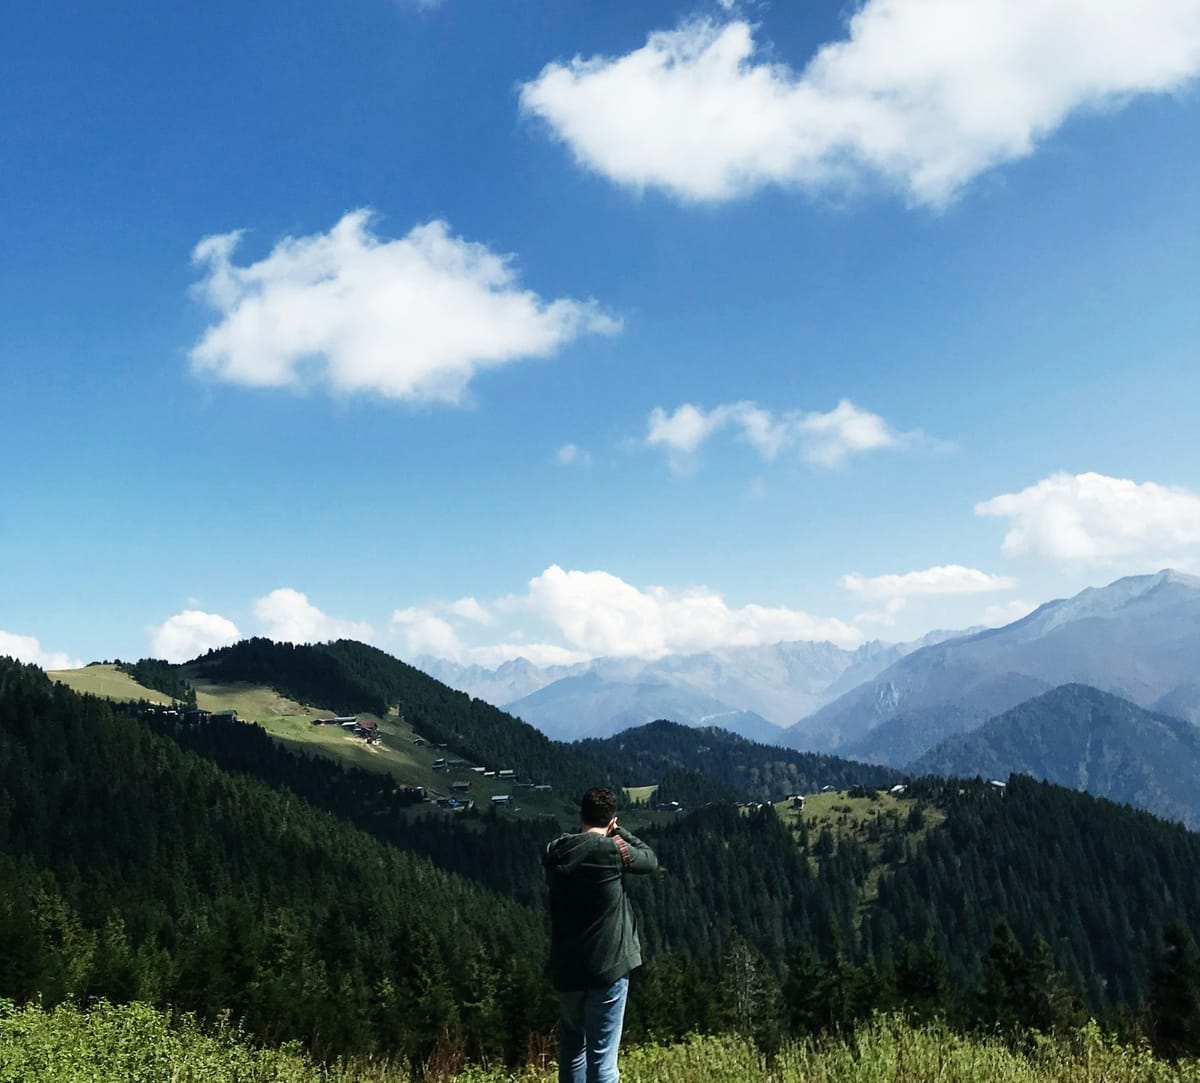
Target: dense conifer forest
[
  {"x": 207, "y": 869},
  {"x": 745, "y": 769}
]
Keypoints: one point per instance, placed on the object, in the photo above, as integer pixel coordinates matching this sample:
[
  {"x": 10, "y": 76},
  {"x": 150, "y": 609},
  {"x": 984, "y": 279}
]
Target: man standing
[{"x": 593, "y": 936}]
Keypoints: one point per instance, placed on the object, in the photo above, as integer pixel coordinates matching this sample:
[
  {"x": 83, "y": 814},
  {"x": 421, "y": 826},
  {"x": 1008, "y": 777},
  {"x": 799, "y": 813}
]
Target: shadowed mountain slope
[{"x": 1086, "y": 739}]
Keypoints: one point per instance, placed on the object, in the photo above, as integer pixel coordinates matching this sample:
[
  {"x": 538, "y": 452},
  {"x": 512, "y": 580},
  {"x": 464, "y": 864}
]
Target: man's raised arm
[{"x": 635, "y": 854}]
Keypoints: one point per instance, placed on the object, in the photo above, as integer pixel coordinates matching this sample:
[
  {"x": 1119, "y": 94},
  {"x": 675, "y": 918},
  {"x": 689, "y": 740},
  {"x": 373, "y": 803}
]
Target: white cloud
[
  {"x": 894, "y": 591},
  {"x": 288, "y": 616},
  {"x": 892, "y": 608},
  {"x": 424, "y": 632},
  {"x": 184, "y": 636},
  {"x": 829, "y": 439},
  {"x": 687, "y": 428},
  {"x": 943, "y": 579},
  {"x": 540, "y": 654},
  {"x": 27, "y": 649},
  {"x": 469, "y": 609},
  {"x": 824, "y": 439},
  {"x": 414, "y": 318},
  {"x": 600, "y": 614},
  {"x": 926, "y": 94},
  {"x": 1094, "y": 517}
]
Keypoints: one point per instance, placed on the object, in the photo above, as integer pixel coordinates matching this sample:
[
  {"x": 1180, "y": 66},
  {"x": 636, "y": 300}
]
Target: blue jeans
[{"x": 589, "y": 1033}]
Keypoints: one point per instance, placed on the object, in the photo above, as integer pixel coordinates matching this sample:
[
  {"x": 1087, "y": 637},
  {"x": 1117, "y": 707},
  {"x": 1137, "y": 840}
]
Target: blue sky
[{"x": 572, "y": 329}]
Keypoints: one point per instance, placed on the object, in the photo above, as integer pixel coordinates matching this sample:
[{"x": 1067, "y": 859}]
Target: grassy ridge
[{"x": 134, "y": 1042}]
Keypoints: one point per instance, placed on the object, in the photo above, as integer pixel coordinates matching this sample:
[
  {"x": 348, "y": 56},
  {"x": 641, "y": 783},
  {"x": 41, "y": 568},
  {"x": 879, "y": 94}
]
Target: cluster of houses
[
  {"x": 190, "y": 718},
  {"x": 367, "y": 730},
  {"x": 460, "y": 788}
]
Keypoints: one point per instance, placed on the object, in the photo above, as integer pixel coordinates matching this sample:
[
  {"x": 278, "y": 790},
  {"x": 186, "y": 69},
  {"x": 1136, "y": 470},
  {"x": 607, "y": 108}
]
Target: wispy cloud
[
  {"x": 943, "y": 579},
  {"x": 1091, "y": 517},
  {"x": 572, "y": 455},
  {"x": 185, "y": 635},
  {"x": 29, "y": 650},
  {"x": 925, "y": 94},
  {"x": 893, "y": 591},
  {"x": 415, "y": 318},
  {"x": 823, "y": 439}
]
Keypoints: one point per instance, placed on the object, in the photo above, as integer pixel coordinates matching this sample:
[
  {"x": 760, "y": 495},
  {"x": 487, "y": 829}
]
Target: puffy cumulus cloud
[
  {"x": 414, "y": 318},
  {"x": 29, "y": 650},
  {"x": 431, "y": 630},
  {"x": 824, "y": 439},
  {"x": 289, "y": 617},
  {"x": 1091, "y": 517},
  {"x": 184, "y": 636},
  {"x": 600, "y": 614},
  {"x": 829, "y": 439},
  {"x": 424, "y": 632},
  {"x": 943, "y": 579},
  {"x": 684, "y": 430},
  {"x": 925, "y": 94}
]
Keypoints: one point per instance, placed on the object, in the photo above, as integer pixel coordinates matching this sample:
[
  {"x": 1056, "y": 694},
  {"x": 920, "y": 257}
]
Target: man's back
[{"x": 594, "y": 937}]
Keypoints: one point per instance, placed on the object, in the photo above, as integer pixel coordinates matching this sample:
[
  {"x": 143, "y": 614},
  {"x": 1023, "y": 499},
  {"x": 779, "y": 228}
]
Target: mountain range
[
  {"x": 1137, "y": 638},
  {"x": 752, "y": 691},
  {"x": 1098, "y": 692}
]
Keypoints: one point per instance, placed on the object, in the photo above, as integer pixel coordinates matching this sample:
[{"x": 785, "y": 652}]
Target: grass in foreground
[{"x": 137, "y": 1044}]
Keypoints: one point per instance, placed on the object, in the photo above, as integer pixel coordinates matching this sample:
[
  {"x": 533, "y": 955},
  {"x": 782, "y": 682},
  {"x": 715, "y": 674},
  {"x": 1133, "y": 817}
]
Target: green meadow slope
[{"x": 401, "y": 752}]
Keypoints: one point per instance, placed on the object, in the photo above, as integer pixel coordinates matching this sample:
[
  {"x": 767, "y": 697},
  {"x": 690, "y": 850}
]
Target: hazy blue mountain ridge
[
  {"x": 1138, "y": 638},
  {"x": 753, "y": 691}
]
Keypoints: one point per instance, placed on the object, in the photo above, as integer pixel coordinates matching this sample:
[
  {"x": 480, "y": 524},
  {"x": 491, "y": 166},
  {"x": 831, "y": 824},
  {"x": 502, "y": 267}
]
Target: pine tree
[{"x": 1175, "y": 995}]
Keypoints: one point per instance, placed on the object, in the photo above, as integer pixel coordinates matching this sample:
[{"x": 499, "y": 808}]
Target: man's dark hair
[{"x": 598, "y": 807}]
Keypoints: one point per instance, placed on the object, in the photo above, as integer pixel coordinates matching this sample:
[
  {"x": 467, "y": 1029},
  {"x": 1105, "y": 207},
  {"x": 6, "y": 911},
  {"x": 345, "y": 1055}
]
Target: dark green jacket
[{"x": 593, "y": 933}]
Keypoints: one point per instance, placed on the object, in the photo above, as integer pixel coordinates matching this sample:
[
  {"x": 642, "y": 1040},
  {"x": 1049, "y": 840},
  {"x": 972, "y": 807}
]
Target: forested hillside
[
  {"x": 208, "y": 869},
  {"x": 1097, "y": 881},
  {"x": 131, "y": 868},
  {"x": 350, "y": 677}
]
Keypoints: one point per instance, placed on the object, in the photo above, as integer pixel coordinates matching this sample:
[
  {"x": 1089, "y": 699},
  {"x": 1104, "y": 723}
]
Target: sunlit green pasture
[
  {"x": 105, "y": 681},
  {"x": 640, "y": 793},
  {"x": 851, "y": 817},
  {"x": 108, "y": 1044}
]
